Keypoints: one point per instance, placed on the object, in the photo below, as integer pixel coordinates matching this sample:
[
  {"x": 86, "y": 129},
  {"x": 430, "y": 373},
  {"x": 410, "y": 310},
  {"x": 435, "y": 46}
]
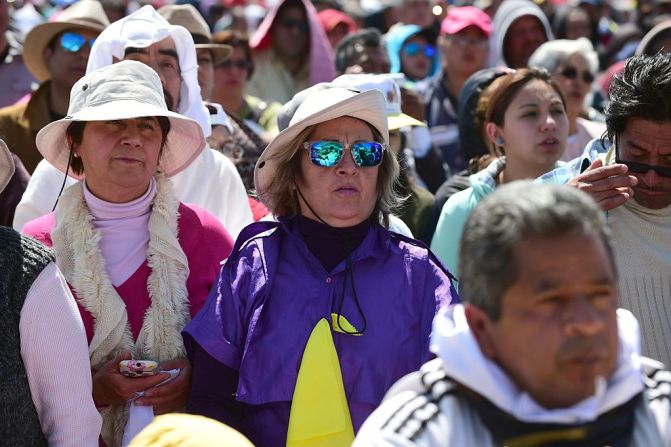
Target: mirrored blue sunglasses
[
  {"x": 328, "y": 154},
  {"x": 414, "y": 48},
  {"x": 73, "y": 42}
]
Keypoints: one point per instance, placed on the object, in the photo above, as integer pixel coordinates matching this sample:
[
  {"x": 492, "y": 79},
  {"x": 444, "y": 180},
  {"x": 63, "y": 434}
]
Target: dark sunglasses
[
  {"x": 294, "y": 23},
  {"x": 641, "y": 168},
  {"x": 73, "y": 42},
  {"x": 414, "y": 48},
  {"x": 239, "y": 64},
  {"x": 328, "y": 154},
  {"x": 572, "y": 73}
]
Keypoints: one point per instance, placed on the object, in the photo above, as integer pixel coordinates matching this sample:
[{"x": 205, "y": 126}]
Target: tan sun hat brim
[
  {"x": 220, "y": 52},
  {"x": 317, "y": 108},
  {"x": 6, "y": 165}
]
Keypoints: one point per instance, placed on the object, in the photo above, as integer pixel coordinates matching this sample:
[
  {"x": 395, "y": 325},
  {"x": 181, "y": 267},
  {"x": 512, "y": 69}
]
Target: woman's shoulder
[
  {"x": 198, "y": 224},
  {"x": 462, "y": 201},
  {"x": 40, "y": 228}
]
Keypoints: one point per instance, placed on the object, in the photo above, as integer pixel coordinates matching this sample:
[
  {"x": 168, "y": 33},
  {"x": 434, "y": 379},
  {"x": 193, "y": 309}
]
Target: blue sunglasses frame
[
  {"x": 328, "y": 154},
  {"x": 414, "y": 48},
  {"x": 73, "y": 42}
]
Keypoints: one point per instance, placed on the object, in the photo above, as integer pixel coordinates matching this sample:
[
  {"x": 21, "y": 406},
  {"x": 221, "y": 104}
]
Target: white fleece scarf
[
  {"x": 76, "y": 247},
  {"x": 453, "y": 341}
]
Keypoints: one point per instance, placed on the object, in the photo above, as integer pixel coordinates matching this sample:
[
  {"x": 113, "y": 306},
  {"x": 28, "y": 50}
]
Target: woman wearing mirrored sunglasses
[
  {"x": 573, "y": 65},
  {"x": 325, "y": 302},
  {"x": 412, "y": 51}
]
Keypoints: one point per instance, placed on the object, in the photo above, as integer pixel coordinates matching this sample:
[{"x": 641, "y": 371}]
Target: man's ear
[{"x": 481, "y": 327}]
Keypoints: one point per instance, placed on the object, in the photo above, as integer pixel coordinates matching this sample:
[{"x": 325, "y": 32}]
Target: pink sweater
[{"x": 204, "y": 241}]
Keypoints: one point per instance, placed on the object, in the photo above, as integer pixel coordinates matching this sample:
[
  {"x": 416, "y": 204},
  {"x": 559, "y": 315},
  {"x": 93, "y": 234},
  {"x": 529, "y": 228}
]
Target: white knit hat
[{"x": 124, "y": 90}]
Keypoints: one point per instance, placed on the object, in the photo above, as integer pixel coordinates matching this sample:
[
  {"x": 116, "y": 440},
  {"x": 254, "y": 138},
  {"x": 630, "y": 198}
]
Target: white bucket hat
[
  {"x": 318, "y": 107},
  {"x": 396, "y": 119},
  {"x": 6, "y": 165},
  {"x": 124, "y": 90}
]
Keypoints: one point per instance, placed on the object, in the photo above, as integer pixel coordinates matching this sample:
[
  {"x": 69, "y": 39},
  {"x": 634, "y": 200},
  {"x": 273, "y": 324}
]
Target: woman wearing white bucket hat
[
  {"x": 41, "y": 401},
  {"x": 326, "y": 302},
  {"x": 139, "y": 262}
]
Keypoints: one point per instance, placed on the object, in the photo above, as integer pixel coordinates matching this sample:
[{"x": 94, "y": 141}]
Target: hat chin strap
[
  {"x": 67, "y": 169},
  {"x": 348, "y": 273}
]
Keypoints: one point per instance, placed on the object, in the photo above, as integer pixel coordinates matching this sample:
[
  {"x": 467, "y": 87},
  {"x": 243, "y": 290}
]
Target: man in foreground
[{"x": 538, "y": 354}]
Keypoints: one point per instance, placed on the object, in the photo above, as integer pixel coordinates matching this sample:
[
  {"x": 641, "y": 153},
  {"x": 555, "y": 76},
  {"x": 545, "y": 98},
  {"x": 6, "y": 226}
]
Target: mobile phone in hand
[{"x": 138, "y": 368}]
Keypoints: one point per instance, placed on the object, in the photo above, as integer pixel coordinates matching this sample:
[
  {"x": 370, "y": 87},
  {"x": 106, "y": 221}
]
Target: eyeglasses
[
  {"x": 572, "y": 73},
  {"x": 414, "y": 48},
  {"x": 328, "y": 154},
  {"x": 239, "y": 64},
  {"x": 641, "y": 168},
  {"x": 463, "y": 41},
  {"x": 294, "y": 23},
  {"x": 73, "y": 42}
]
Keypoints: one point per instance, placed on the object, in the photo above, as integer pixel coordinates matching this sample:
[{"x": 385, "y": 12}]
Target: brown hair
[
  {"x": 281, "y": 192},
  {"x": 75, "y": 134},
  {"x": 236, "y": 39},
  {"x": 496, "y": 99}
]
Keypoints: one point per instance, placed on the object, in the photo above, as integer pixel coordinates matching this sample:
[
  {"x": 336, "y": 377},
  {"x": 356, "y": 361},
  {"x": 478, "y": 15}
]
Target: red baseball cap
[{"x": 460, "y": 18}]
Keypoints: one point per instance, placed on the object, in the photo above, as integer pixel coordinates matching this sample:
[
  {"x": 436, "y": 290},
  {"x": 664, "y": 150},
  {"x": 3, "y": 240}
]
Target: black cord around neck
[
  {"x": 67, "y": 169},
  {"x": 348, "y": 273}
]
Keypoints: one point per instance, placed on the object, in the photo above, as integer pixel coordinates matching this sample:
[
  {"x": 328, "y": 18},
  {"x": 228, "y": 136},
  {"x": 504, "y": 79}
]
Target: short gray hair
[
  {"x": 514, "y": 213},
  {"x": 553, "y": 53}
]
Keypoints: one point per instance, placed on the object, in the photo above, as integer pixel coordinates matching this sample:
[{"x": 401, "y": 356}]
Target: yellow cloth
[
  {"x": 319, "y": 412},
  {"x": 185, "y": 430}
]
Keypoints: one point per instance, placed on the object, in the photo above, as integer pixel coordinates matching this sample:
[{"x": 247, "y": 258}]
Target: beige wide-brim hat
[
  {"x": 124, "y": 90},
  {"x": 188, "y": 16},
  {"x": 318, "y": 107},
  {"x": 86, "y": 14},
  {"x": 6, "y": 165}
]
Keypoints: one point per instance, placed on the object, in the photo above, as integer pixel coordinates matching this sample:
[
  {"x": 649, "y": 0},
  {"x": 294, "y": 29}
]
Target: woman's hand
[
  {"x": 110, "y": 387},
  {"x": 171, "y": 396}
]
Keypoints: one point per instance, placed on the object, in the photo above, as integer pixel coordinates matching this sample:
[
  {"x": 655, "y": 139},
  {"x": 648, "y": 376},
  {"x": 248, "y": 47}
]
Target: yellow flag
[{"x": 319, "y": 412}]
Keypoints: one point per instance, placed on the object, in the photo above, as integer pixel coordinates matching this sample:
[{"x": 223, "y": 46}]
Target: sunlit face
[
  {"x": 535, "y": 129},
  {"x": 523, "y": 37},
  {"x": 577, "y": 24},
  {"x": 370, "y": 59},
  {"x": 65, "y": 67},
  {"x": 120, "y": 157},
  {"x": 344, "y": 195},
  {"x": 163, "y": 59},
  {"x": 205, "y": 73},
  {"x": 291, "y": 33},
  {"x": 576, "y": 87},
  {"x": 466, "y": 51},
  {"x": 231, "y": 75},
  {"x": 557, "y": 332},
  {"x": 648, "y": 142},
  {"x": 418, "y": 65}
]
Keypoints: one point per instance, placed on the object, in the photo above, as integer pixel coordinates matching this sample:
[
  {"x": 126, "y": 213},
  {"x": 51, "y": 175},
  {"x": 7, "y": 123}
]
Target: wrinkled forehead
[{"x": 165, "y": 47}]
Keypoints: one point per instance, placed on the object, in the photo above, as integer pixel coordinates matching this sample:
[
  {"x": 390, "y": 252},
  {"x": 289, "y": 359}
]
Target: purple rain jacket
[{"x": 273, "y": 291}]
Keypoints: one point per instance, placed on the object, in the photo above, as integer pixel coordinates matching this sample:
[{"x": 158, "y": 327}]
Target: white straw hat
[
  {"x": 6, "y": 165},
  {"x": 318, "y": 107},
  {"x": 124, "y": 90}
]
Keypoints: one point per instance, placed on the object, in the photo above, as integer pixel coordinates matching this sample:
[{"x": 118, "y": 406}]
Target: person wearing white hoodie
[
  {"x": 211, "y": 180},
  {"x": 520, "y": 27},
  {"x": 539, "y": 353}
]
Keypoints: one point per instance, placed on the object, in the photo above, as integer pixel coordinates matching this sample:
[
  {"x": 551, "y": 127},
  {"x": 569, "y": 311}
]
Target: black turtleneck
[{"x": 328, "y": 244}]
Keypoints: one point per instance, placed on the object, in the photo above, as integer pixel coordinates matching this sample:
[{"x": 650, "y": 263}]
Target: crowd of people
[{"x": 335, "y": 223}]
